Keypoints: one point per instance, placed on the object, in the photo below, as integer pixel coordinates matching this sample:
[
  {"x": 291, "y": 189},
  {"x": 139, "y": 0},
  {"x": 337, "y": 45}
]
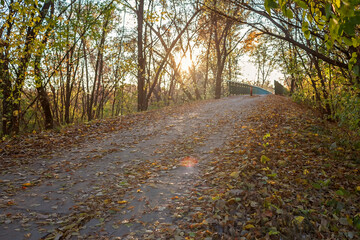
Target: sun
[{"x": 185, "y": 62}]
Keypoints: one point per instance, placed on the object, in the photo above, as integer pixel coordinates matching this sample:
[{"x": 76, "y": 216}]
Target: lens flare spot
[{"x": 188, "y": 161}]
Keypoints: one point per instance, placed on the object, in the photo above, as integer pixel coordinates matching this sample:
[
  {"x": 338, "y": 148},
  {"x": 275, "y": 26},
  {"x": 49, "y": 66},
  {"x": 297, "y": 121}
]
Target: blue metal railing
[{"x": 236, "y": 88}]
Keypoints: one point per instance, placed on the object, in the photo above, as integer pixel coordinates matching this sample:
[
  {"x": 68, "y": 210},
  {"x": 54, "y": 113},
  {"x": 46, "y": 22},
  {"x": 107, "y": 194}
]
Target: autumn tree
[{"x": 24, "y": 23}]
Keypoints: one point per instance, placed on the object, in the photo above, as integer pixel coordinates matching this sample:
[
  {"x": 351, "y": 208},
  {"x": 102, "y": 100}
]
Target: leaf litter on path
[
  {"x": 278, "y": 178},
  {"x": 245, "y": 168}
]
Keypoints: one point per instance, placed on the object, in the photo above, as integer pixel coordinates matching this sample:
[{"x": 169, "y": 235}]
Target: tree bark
[
  {"x": 43, "y": 97},
  {"x": 142, "y": 105}
]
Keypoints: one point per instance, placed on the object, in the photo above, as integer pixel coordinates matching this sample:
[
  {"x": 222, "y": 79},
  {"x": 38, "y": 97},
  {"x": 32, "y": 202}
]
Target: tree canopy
[{"x": 69, "y": 61}]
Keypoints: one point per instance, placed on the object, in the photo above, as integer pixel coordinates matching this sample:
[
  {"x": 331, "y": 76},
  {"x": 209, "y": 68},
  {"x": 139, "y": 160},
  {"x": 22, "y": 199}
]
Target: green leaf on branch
[
  {"x": 301, "y": 4},
  {"x": 328, "y": 10},
  {"x": 356, "y": 70},
  {"x": 270, "y": 4},
  {"x": 305, "y": 29},
  {"x": 334, "y": 27},
  {"x": 289, "y": 13}
]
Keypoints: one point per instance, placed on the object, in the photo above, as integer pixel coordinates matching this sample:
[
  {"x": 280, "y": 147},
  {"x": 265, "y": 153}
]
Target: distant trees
[
  {"x": 225, "y": 35},
  {"x": 264, "y": 56}
]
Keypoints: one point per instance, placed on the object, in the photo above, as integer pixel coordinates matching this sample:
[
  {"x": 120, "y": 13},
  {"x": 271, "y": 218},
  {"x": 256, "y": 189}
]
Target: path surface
[{"x": 125, "y": 186}]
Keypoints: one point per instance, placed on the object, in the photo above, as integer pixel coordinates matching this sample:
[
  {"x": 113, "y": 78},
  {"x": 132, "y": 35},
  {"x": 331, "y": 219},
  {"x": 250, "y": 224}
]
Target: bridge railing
[
  {"x": 236, "y": 88},
  {"x": 280, "y": 89}
]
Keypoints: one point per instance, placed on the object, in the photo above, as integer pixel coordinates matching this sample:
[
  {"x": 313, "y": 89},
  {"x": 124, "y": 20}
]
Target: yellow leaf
[
  {"x": 244, "y": 127},
  {"x": 107, "y": 201},
  {"x": 249, "y": 226},
  {"x": 281, "y": 163},
  {"x": 230, "y": 186},
  {"x": 338, "y": 2},
  {"x": 231, "y": 201},
  {"x": 234, "y": 174},
  {"x": 122, "y": 202},
  {"x": 358, "y": 188},
  {"x": 264, "y": 159},
  {"x": 215, "y": 198},
  {"x": 27, "y": 184},
  {"x": 299, "y": 219},
  {"x": 306, "y": 171}
]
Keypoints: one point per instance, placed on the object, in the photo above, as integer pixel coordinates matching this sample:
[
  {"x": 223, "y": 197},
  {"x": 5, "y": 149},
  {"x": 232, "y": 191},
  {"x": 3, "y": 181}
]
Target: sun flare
[
  {"x": 188, "y": 161},
  {"x": 185, "y": 62}
]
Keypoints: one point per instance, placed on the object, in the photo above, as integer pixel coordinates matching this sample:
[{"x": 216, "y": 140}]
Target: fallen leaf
[
  {"x": 234, "y": 174},
  {"x": 264, "y": 159},
  {"x": 299, "y": 219},
  {"x": 249, "y": 226}
]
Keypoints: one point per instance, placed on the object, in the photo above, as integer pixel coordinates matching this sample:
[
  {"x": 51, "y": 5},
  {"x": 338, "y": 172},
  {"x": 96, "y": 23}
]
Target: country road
[{"x": 126, "y": 185}]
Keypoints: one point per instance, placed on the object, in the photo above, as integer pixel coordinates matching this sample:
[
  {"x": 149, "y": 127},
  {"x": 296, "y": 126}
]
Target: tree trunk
[
  {"x": 68, "y": 89},
  {"x": 6, "y": 103},
  {"x": 43, "y": 97},
  {"x": 218, "y": 80},
  {"x": 142, "y": 105},
  {"x": 221, "y": 52}
]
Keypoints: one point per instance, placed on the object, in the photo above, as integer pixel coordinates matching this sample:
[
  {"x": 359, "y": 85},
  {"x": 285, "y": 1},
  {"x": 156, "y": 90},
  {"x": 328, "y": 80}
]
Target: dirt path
[{"x": 125, "y": 186}]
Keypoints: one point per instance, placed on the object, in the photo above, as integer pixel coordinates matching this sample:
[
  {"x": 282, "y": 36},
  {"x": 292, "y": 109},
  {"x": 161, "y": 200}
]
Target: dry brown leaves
[{"x": 283, "y": 175}]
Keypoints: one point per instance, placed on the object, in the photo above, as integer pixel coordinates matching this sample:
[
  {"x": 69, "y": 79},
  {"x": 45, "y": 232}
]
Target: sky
[{"x": 249, "y": 71}]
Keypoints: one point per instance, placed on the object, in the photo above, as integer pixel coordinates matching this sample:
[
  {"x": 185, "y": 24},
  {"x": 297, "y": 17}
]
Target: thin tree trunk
[
  {"x": 142, "y": 106},
  {"x": 43, "y": 97}
]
